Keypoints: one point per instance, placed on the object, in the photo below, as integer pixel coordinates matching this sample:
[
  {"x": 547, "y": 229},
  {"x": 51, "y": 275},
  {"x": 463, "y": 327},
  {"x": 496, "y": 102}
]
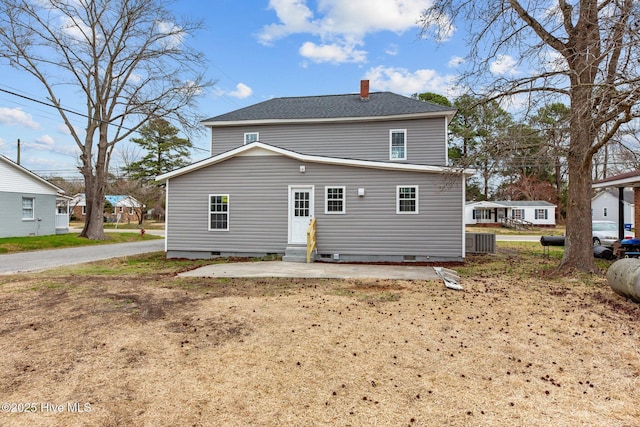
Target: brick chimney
[{"x": 364, "y": 90}]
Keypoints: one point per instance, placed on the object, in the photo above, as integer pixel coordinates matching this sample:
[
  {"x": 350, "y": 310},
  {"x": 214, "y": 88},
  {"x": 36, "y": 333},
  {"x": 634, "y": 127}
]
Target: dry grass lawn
[{"x": 517, "y": 347}]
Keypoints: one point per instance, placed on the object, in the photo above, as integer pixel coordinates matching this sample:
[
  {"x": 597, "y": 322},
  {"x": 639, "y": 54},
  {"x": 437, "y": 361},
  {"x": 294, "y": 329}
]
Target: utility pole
[{"x": 18, "y": 151}]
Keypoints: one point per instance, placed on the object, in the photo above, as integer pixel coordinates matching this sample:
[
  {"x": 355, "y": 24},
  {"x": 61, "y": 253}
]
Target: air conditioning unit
[{"x": 480, "y": 243}]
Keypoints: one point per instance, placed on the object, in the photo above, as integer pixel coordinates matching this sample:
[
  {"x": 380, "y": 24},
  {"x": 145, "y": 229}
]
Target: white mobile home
[{"x": 496, "y": 213}]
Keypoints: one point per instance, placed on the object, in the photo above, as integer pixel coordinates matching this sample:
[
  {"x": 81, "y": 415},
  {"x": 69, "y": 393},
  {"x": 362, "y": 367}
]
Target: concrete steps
[{"x": 295, "y": 254}]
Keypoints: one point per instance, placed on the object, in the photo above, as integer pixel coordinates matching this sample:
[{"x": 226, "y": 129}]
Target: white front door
[{"x": 300, "y": 212}]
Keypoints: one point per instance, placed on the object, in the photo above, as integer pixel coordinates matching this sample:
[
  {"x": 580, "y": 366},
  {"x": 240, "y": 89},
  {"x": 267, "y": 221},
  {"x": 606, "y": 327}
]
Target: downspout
[{"x": 620, "y": 213}]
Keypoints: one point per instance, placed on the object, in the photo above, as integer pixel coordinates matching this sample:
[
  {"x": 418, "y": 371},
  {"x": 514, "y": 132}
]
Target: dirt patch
[{"x": 114, "y": 351}]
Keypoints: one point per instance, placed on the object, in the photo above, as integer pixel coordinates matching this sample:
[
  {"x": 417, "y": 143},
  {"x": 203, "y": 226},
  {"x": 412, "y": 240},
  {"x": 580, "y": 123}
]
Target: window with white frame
[
  {"x": 250, "y": 137},
  {"x": 517, "y": 214},
  {"x": 28, "y": 208},
  {"x": 407, "y": 199},
  {"x": 334, "y": 200},
  {"x": 130, "y": 211},
  {"x": 84, "y": 210},
  {"x": 542, "y": 214},
  {"x": 219, "y": 212},
  {"x": 398, "y": 144}
]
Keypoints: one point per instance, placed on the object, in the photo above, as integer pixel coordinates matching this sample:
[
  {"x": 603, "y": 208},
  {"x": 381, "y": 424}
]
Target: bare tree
[
  {"x": 584, "y": 51},
  {"x": 128, "y": 61},
  {"x": 621, "y": 155}
]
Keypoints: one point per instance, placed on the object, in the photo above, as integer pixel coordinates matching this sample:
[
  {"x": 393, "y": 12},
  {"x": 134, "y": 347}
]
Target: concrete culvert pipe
[{"x": 624, "y": 278}]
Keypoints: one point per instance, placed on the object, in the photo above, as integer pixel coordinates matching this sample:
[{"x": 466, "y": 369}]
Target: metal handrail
[{"x": 311, "y": 239}]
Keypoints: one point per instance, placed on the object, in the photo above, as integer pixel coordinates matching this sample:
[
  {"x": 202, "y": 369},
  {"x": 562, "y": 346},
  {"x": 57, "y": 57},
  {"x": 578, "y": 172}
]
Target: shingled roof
[{"x": 327, "y": 107}]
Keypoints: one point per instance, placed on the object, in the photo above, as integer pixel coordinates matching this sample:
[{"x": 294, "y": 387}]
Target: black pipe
[{"x": 552, "y": 240}]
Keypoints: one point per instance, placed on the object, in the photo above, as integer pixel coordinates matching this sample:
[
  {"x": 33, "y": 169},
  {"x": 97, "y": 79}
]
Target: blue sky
[{"x": 261, "y": 49}]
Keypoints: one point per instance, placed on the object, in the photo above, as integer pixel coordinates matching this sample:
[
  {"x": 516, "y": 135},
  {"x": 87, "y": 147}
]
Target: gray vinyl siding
[
  {"x": 258, "y": 209},
  {"x": 11, "y": 222},
  {"x": 364, "y": 141}
]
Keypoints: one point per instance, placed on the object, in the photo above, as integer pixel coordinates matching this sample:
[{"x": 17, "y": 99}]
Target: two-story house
[{"x": 371, "y": 168}]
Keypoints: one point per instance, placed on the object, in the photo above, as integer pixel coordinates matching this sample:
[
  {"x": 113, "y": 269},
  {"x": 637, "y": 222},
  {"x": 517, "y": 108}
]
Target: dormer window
[
  {"x": 398, "y": 144},
  {"x": 250, "y": 137}
]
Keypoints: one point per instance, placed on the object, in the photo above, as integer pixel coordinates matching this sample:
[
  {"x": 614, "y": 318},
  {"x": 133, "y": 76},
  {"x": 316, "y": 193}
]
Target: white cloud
[
  {"x": 242, "y": 91},
  {"x": 75, "y": 28},
  {"x": 17, "y": 117},
  {"x": 44, "y": 142},
  {"x": 440, "y": 27},
  {"x": 552, "y": 61},
  {"x": 189, "y": 86},
  {"x": 401, "y": 80},
  {"x": 63, "y": 129},
  {"x": 340, "y": 25},
  {"x": 392, "y": 50},
  {"x": 455, "y": 61},
  {"x": 295, "y": 17},
  {"x": 504, "y": 65},
  {"x": 334, "y": 53},
  {"x": 173, "y": 34}
]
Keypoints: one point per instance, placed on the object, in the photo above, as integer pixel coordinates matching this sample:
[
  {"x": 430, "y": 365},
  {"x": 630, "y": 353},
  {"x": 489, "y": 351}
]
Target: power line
[{"x": 67, "y": 110}]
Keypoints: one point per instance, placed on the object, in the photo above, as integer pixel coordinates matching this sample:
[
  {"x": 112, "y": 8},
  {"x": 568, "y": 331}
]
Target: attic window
[{"x": 250, "y": 137}]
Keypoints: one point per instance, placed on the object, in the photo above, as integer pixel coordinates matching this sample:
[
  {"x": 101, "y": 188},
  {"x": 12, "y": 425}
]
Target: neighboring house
[
  {"x": 625, "y": 180},
  {"x": 370, "y": 168},
  {"x": 494, "y": 214},
  {"x": 125, "y": 208},
  {"x": 29, "y": 204},
  {"x": 604, "y": 206}
]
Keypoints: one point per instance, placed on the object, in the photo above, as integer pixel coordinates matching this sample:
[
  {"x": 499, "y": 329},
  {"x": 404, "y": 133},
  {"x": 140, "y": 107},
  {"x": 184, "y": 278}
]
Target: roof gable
[
  {"x": 379, "y": 105},
  {"x": 628, "y": 195},
  {"x": 17, "y": 178}
]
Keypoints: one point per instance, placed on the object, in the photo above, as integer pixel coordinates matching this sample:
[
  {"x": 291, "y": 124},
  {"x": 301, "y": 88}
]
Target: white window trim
[
  {"x": 33, "y": 209},
  {"x": 209, "y": 212},
  {"x": 344, "y": 200},
  {"x": 391, "y": 132},
  {"x": 84, "y": 210},
  {"x": 257, "y": 134},
  {"x": 417, "y": 211}
]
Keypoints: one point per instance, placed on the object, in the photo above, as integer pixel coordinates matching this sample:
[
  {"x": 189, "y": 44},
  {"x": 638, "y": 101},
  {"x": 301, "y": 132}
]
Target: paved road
[
  {"x": 42, "y": 260},
  {"x": 516, "y": 238}
]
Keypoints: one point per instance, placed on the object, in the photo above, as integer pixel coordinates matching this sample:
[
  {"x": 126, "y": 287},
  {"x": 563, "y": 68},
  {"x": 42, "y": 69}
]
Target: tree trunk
[
  {"x": 95, "y": 185},
  {"x": 578, "y": 250}
]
